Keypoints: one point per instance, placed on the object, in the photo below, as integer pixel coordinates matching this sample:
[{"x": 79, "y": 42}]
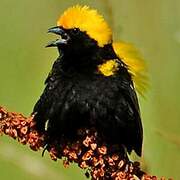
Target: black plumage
[{"x": 77, "y": 95}]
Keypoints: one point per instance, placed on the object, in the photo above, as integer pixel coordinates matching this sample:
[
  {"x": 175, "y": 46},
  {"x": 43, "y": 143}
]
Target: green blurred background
[{"x": 152, "y": 26}]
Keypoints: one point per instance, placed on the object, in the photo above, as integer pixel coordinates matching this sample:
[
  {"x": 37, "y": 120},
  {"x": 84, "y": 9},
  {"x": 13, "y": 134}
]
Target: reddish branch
[{"x": 88, "y": 151}]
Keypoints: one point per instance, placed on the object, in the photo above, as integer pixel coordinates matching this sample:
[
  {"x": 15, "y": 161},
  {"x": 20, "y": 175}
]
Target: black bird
[{"x": 89, "y": 84}]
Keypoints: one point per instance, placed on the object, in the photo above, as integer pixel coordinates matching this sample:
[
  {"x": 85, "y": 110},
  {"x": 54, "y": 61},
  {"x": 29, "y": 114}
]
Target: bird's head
[{"x": 81, "y": 30}]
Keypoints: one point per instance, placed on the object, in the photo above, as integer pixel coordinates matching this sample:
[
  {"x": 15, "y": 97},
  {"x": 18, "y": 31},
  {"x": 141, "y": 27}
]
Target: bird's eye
[{"x": 75, "y": 31}]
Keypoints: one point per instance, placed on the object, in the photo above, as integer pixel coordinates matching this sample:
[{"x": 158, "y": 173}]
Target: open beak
[{"x": 63, "y": 40}]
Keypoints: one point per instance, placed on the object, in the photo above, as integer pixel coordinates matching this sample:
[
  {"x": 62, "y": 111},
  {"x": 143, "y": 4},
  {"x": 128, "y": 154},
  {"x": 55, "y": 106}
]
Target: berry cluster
[{"x": 100, "y": 160}]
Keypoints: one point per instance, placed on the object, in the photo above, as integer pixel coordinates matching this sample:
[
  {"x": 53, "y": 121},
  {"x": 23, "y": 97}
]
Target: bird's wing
[
  {"x": 43, "y": 107},
  {"x": 137, "y": 130}
]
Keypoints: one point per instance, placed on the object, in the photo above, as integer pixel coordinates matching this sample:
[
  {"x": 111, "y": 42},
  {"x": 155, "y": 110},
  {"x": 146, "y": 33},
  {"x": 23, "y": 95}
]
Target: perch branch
[{"x": 88, "y": 151}]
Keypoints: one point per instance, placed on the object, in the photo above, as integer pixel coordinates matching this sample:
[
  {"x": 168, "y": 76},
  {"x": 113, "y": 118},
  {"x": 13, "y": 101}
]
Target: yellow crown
[
  {"x": 135, "y": 64},
  {"x": 87, "y": 20}
]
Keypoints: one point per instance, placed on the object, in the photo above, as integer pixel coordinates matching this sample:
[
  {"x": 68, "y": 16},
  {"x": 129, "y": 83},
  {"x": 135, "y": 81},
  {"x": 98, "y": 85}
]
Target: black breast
[{"x": 107, "y": 103}]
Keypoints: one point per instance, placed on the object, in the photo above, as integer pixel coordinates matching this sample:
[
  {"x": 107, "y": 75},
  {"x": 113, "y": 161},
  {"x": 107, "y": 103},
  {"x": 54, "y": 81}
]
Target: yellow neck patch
[
  {"x": 136, "y": 65},
  {"x": 108, "y": 68},
  {"x": 87, "y": 20}
]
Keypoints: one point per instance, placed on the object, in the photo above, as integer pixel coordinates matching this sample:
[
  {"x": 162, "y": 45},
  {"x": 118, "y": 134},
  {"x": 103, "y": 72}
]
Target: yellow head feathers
[
  {"x": 135, "y": 64},
  {"x": 87, "y": 20}
]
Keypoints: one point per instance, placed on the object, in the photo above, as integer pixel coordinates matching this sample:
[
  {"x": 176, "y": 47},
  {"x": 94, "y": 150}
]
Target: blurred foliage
[{"x": 152, "y": 26}]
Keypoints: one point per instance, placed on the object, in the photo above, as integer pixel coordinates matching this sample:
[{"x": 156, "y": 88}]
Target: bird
[{"x": 92, "y": 83}]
